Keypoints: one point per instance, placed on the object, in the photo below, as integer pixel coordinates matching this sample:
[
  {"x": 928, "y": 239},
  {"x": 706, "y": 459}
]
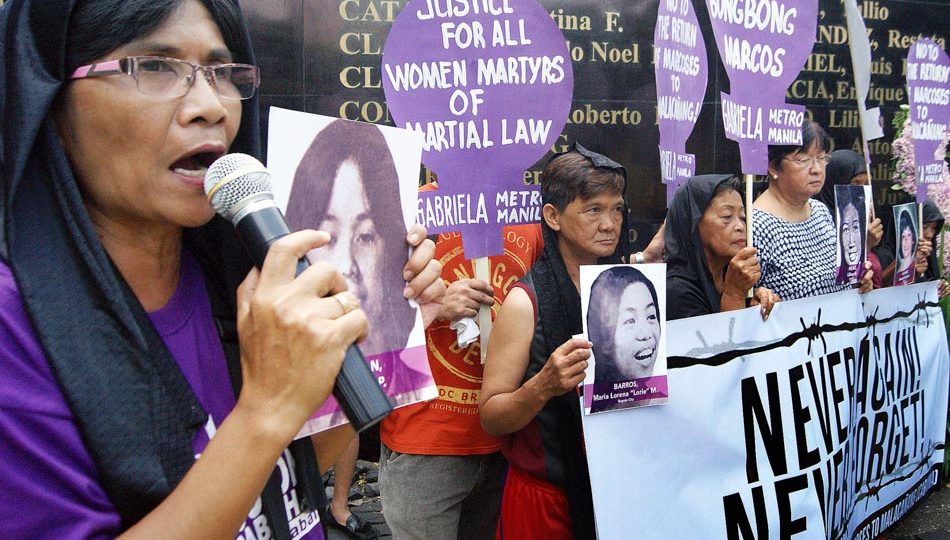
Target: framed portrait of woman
[
  {"x": 623, "y": 309},
  {"x": 359, "y": 183},
  {"x": 906, "y": 229},
  {"x": 852, "y": 217}
]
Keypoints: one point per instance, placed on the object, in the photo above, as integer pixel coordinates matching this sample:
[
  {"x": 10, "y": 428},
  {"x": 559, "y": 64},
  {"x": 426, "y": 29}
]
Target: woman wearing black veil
[
  {"x": 709, "y": 268},
  {"x": 134, "y": 335}
]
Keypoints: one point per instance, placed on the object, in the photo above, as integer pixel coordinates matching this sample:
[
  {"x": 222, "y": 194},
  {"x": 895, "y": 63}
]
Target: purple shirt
[{"x": 49, "y": 486}]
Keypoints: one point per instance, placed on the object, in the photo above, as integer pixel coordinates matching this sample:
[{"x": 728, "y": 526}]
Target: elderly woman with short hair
[{"x": 794, "y": 233}]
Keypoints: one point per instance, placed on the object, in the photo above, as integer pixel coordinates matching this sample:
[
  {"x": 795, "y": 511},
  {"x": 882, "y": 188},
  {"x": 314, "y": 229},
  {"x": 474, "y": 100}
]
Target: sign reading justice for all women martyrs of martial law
[
  {"x": 763, "y": 45},
  {"x": 488, "y": 83},
  {"x": 928, "y": 90},
  {"x": 681, "y": 76}
]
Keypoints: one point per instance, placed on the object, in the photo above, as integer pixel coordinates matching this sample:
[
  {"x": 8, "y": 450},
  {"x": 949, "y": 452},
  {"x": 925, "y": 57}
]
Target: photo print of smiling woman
[
  {"x": 624, "y": 309},
  {"x": 905, "y": 223},
  {"x": 358, "y": 182},
  {"x": 852, "y": 232}
]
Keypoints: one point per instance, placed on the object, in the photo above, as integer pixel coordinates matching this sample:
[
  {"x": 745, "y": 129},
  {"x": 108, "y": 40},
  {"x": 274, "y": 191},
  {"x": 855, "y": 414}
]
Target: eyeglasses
[
  {"x": 804, "y": 163},
  {"x": 172, "y": 78}
]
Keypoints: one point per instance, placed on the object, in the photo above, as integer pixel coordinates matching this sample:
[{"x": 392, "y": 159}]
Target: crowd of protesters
[{"x": 136, "y": 335}]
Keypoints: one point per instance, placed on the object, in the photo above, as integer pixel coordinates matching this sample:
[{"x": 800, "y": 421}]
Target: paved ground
[{"x": 930, "y": 520}]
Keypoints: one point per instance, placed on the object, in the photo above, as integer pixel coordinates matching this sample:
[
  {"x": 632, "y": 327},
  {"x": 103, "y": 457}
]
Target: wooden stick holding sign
[
  {"x": 482, "y": 272},
  {"x": 749, "y": 179},
  {"x": 860, "y": 46}
]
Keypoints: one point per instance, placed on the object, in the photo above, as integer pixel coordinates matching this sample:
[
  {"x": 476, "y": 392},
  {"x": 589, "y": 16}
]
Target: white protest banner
[{"x": 826, "y": 421}]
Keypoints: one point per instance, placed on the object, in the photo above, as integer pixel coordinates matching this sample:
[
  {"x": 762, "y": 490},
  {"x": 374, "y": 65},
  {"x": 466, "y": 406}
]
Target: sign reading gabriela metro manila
[
  {"x": 928, "y": 74},
  {"x": 763, "y": 45},
  {"x": 681, "y": 77},
  {"x": 488, "y": 83}
]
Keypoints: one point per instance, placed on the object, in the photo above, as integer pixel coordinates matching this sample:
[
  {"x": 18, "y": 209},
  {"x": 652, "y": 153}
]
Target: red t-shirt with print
[{"x": 449, "y": 425}]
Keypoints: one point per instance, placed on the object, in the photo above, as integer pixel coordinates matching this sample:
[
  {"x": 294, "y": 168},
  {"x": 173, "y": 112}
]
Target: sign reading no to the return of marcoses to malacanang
[
  {"x": 928, "y": 91},
  {"x": 681, "y": 73},
  {"x": 826, "y": 421}
]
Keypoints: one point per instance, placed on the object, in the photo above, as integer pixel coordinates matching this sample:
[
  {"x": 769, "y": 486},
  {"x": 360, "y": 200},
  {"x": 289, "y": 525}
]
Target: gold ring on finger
[{"x": 345, "y": 301}]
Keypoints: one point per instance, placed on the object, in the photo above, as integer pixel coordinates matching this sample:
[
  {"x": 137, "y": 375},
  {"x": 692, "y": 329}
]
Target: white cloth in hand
[{"x": 467, "y": 330}]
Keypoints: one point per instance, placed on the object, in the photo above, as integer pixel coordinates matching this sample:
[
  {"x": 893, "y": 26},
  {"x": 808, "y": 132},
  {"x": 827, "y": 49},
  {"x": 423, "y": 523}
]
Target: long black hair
[
  {"x": 605, "y": 295},
  {"x": 313, "y": 184},
  {"x": 854, "y": 198},
  {"x": 905, "y": 222}
]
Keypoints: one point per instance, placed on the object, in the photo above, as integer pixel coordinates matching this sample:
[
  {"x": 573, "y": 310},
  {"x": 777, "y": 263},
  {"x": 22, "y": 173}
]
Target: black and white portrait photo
[
  {"x": 358, "y": 182},
  {"x": 852, "y": 232},
  {"x": 624, "y": 317},
  {"x": 905, "y": 223}
]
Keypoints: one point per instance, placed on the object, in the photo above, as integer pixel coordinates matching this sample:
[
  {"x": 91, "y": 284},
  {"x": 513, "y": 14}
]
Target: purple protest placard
[
  {"x": 928, "y": 73},
  {"x": 681, "y": 77},
  {"x": 763, "y": 45},
  {"x": 488, "y": 83}
]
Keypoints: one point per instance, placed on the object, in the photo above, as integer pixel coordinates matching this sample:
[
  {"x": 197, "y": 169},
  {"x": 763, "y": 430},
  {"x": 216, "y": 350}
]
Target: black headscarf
[
  {"x": 844, "y": 165},
  {"x": 932, "y": 214},
  {"x": 689, "y": 281},
  {"x": 135, "y": 410},
  {"x": 561, "y": 312},
  {"x": 559, "y": 307}
]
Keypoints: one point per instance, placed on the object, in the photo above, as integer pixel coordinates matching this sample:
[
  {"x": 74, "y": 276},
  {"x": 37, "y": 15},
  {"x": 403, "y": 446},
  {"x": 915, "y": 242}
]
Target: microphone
[{"x": 238, "y": 187}]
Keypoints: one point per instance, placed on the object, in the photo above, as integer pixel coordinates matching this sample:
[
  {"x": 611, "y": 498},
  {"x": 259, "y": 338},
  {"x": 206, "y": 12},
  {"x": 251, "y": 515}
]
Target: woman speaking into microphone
[{"x": 121, "y": 290}]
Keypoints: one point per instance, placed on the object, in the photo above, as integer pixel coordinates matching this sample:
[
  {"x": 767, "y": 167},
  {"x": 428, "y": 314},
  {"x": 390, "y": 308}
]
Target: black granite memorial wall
[{"x": 324, "y": 56}]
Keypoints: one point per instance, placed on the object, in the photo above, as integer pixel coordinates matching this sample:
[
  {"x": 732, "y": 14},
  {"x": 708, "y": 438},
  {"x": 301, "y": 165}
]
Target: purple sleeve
[{"x": 48, "y": 481}]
